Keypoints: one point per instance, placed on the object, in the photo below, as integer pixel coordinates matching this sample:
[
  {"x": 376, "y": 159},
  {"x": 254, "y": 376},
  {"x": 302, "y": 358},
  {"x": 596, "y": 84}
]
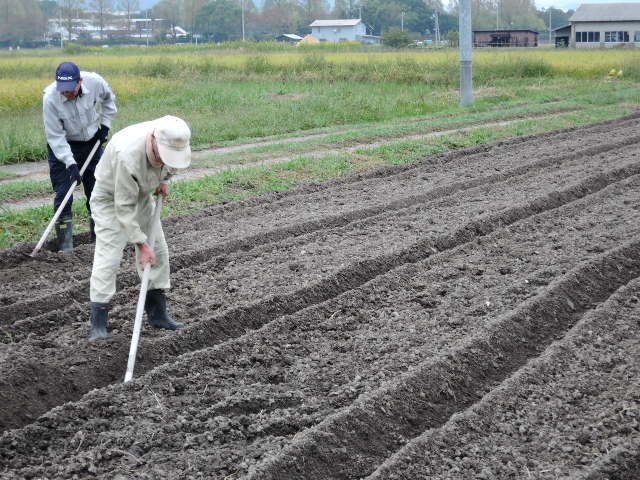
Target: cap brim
[
  {"x": 175, "y": 158},
  {"x": 66, "y": 86}
]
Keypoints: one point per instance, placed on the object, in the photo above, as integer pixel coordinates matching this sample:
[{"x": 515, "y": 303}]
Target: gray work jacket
[
  {"x": 125, "y": 179},
  {"x": 77, "y": 120}
]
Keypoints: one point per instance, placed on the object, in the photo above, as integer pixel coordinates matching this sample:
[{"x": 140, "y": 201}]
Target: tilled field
[{"x": 472, "y": 316}]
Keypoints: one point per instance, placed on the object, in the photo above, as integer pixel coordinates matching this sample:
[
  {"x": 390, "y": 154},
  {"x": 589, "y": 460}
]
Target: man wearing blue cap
[{"x": 72, "y": 125}]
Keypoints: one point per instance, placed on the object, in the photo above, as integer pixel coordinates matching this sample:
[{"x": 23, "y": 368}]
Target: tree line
[{"x": 24, "y": 21}]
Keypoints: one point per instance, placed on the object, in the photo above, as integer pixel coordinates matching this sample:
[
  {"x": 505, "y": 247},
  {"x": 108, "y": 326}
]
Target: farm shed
[
  {"x": 562, "y": 36},
  {"x": 289, "y": 37},
  {"x": 350, "y": 30},
  {"x": 598, "y": 25},
  {"x": 505, "y": 38}
]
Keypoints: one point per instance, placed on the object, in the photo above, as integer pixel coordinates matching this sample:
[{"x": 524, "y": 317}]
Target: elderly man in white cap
[{"x": 136, "y": 164}]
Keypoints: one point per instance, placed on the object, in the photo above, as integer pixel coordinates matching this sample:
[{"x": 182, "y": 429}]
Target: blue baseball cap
[{"x": 67, "y": 77}]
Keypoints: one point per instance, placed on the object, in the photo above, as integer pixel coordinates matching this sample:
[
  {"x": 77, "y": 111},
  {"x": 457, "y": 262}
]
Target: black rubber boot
[
  {"x": 92, "y": 230},
  {"x": 156, "y": 307},
  {"x": 64, "y": 232},
  {"x": 99, "y": 318}
]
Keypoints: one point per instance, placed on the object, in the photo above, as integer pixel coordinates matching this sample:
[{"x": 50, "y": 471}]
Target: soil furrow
[
  {"x": 435, "y": 189},
  {"x": 353, "y": 442},
  {"x": 622, "y": 463},
  {"x": 44, "y": 392},
  {"x": 319, "y": 360},
  {"x": 568, "y": 414}
]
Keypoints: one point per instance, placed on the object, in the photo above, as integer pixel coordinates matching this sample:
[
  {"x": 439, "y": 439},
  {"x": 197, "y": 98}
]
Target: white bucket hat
[{"x": 173, "y": 136}]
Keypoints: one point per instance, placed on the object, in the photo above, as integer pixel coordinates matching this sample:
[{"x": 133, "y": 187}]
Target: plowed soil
[{"x": 472, "y": 316}]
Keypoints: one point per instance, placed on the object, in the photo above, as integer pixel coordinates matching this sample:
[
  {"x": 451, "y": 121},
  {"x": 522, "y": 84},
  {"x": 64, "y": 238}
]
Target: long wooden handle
[
  {"x": 64, "y": 201},
  {"x": 137, "y": 325}
]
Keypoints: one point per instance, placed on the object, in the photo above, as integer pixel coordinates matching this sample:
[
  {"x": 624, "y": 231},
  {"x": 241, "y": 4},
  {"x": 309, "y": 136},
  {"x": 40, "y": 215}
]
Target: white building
[
  {"x": 351, "y": 30},
  {"x": 596, "y": 25}
]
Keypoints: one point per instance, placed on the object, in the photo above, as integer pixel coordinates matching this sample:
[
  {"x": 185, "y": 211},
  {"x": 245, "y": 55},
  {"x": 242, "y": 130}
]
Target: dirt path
[
  {"x": 40, "y": 170},
  {"x": 430, "y": 315}
]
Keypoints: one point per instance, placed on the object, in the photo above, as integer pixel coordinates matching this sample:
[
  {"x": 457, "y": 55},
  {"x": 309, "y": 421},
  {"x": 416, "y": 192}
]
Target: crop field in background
[{"x": 229, "y": 95}]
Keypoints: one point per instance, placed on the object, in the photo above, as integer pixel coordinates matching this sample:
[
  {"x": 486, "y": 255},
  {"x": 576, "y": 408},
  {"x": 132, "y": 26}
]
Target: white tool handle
[
  {"x": 137, "y": 325},
  {"x": 64, "y": 201}
]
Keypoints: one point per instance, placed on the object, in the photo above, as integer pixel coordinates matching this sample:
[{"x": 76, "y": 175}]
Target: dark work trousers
[{"x": 61, "y": 180}]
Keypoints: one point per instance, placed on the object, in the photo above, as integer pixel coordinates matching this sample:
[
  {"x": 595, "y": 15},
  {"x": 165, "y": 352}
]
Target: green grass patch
[
  {"x": 18, "y": 226},
  {"x": 233, "y": 185},
  {"x": 12, "y": 191}
]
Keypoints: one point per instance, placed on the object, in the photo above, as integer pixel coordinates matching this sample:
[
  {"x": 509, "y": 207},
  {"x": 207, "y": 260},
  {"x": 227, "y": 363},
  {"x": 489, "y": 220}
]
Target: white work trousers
[{"x": 111, "y": 240}]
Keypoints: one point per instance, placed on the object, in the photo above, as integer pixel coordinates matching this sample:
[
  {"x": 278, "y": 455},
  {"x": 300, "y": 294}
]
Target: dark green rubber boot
[
  {"x": 64, "y": 232},
  {"x": 156, "y": 307},
  {"x": 92, "y": 230},
  {"x": 99, "y": 318}
]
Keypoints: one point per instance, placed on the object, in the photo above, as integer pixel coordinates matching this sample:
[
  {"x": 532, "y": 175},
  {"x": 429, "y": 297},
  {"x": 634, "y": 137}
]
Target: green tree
[
  {"x": 312, "y": 10},
  {"x": 171, "y": 11},
  {"x": 129, "y": 7},
  {"x": 101, "y": 8},
  {"x": 192, "y": 9},
  {"x": 383, "y": 15},
  {"x": 283, "y": 16},
  {"x": 21, "y": 21},
  {"x": 453, "y": 37},
  {"x": 396, "y": 38},
  {"x": 220, "y": 20},
  {"x": 70, "y": 10},
  {"x": 49, "y": 8}
]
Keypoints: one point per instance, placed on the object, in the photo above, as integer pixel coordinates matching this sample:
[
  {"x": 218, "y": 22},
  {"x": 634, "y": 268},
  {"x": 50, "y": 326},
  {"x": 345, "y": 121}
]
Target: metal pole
[
  {"x": 466, "y": 64},
  {"x": 549, "y": 25},
  {"x": 402, "y": 22},
  {"x": 242, "y": 7},
  {"x": 497, "y": 14},
  {"x": 60, "y": 23},
  {"x": 137, "y": 325}
]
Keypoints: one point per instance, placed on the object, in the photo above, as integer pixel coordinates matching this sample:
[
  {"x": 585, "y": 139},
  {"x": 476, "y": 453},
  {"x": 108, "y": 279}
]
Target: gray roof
[
  {"x": 292, "y": 36},
  {"x": 607, "y": 12},
  {"x": 336, "y": 23}
]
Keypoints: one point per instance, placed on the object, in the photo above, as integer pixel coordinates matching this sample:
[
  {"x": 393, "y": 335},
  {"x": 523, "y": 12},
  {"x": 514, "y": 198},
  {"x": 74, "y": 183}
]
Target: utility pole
[
  {"x": 437, "y": 28},
  {"x": 466, "y": 64},
  {"x": 497, "y": 14},
  {"x": 549, "y": 25},
  {"x": 402, "y": 22},
  {"x": 242, "y": 8},
  {"x": 60, "y": 24}
]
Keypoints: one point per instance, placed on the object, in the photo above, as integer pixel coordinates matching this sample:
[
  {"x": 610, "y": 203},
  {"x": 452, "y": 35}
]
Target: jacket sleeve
[
  {"x": 126, "y": 198},
  {"x": 56, "y": 137},
  {"x": 108, "y": 102}
]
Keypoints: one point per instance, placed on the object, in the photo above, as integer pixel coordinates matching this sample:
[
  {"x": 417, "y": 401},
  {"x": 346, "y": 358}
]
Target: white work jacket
[
  {"x": 125, "y": 178},
  {"x": 76, "y": 120}
]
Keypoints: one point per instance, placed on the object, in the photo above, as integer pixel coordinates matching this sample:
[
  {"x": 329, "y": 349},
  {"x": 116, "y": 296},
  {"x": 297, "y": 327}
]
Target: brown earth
[{"x": 472, "y": 316}]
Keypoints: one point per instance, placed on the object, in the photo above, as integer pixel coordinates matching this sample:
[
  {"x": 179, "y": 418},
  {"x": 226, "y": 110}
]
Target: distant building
[
  {"x": 597, "y": 25},
  {"x": 505, "y": 38},
  {"x": 562, "y": 36},
  {"x": 339, "y": 30},
  {"x": 289, "y": 37}
]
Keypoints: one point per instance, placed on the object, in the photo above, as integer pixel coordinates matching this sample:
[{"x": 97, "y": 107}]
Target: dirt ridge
[
  {"x": 40, "y": 397},
  {"x": 353, "y": 442},
  {"x": 77, "y": 292}
]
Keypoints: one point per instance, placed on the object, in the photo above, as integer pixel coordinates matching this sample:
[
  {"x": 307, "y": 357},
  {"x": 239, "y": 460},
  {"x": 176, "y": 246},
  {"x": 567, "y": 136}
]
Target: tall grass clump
[
  {"x": 259, "y": 64},
  {"x": 510, "y": 66}
]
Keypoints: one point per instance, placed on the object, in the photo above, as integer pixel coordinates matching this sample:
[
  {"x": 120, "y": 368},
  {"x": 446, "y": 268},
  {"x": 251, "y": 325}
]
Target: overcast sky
[
  {"x": 567, "y": 4},
  {"x": 563, "y": 4}
]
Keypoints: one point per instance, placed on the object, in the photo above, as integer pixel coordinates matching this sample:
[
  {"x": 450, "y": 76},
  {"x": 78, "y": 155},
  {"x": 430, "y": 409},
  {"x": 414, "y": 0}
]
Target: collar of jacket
[{"x": 82, "y": 91}]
